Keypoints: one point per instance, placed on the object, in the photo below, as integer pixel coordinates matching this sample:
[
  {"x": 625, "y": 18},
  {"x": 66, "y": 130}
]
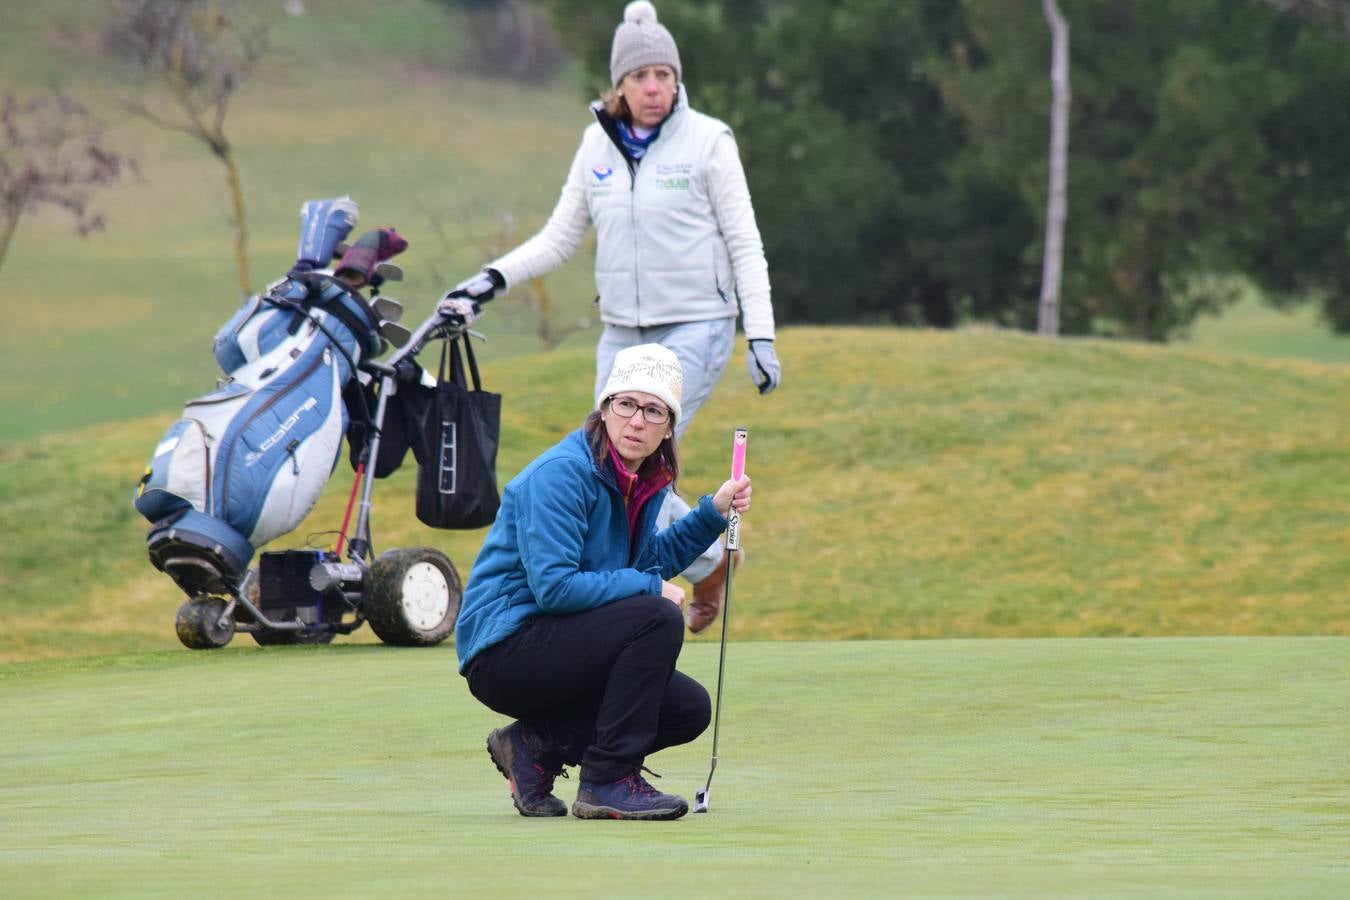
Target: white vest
[{"x": 660, "y": 257}]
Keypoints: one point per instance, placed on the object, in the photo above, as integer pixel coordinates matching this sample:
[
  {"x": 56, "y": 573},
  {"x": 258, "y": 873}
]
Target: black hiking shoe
[
  {"x": 631, "y": 797},
  {"x": 531, "y": 781}
]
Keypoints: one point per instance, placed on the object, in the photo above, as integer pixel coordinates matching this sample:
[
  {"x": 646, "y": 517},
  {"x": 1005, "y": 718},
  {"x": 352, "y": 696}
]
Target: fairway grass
[{"x": 1108, "y": 767}]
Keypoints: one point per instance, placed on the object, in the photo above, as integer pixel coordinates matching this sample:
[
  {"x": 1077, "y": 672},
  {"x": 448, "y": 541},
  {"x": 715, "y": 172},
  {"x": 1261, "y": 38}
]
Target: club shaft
[
  {"x": 721, "y": 667},
  {"x": 739, "y": 441}
]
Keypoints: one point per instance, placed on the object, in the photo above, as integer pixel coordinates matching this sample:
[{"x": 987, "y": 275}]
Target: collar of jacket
[
  {"x": 669, "y": 124},
  {"x": 604, "y": 473}
]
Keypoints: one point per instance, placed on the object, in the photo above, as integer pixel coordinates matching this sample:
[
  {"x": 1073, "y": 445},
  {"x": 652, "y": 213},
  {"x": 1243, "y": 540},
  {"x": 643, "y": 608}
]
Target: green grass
[
  {"x": 1255, "y": 327},
  {"x": 908, "y": 484},
  {"x": 1211, "y": 767}
]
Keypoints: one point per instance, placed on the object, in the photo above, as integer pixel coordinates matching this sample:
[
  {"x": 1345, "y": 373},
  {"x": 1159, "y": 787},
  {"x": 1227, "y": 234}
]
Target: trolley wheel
[
  {"x": 199, "y": 623},
  {"x": 412, "y": 597}
]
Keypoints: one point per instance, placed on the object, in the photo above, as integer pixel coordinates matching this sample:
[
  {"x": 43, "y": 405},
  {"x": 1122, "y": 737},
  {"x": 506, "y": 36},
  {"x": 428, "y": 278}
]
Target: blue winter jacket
[{"x": 560, "y": 545}]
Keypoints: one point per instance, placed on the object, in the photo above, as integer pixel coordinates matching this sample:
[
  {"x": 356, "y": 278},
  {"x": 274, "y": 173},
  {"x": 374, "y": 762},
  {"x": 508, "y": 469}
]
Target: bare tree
[
  {"x": 201, "y": 51},
  {"x": 1047, "y": 320},
  {"x": 52, "y": 154}
]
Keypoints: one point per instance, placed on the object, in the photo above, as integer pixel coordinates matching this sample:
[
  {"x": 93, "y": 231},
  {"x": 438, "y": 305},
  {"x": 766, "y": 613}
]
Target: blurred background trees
[{"x": 897, "y": 152}]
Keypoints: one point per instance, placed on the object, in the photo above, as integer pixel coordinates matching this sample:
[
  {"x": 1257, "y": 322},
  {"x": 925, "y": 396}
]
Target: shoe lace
[
  {"x": 547, "y": 776},
  {"x": 638, "y": 785}
]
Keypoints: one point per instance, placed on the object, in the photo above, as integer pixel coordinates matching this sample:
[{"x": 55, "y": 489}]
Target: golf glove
[
  {"x": 480, "y": 287},
  {"x": 458, "y": 309},
  {"x": 762, "y": 361}
]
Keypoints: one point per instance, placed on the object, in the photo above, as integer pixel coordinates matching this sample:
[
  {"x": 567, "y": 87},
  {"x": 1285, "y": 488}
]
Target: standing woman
[
  {"x": 678, "y": 252},
  {"x": 570, "y": 625}
]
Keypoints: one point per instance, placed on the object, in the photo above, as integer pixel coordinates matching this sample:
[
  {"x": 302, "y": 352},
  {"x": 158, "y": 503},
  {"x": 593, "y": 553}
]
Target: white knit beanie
[
  {"x": 640, "y": 41},
  {"x": 649, "y": 368}
]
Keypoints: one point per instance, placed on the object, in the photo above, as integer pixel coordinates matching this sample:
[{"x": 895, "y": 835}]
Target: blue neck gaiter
[{"x": 634, "y": 145}]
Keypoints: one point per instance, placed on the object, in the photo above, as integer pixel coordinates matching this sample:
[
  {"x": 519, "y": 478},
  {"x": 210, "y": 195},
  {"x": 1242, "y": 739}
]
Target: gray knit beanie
[{"x": 640, "y": 41}]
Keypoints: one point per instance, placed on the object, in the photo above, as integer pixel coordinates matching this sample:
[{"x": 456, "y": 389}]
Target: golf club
[
  {"x": 395, "y": 333},
  {"x": 733, "y": 543},
  {"x": 387, "y": 271},
  {"x": 387, "y": 308}
]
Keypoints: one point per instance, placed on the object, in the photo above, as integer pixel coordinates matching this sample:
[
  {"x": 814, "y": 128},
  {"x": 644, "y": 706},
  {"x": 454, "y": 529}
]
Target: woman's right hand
[
  {"x": 733, "y": 493},
  {"x": 673, "y": 592}
]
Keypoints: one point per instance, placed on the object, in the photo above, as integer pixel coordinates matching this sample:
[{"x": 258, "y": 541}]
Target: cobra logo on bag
[{"x": 280, "y": 433}]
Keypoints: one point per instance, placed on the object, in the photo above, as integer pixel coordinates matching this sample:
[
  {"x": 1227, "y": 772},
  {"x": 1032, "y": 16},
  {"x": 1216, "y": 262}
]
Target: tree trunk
[
  {"x": 240, "y": 222},
  {"x": 7, "y": 232},
  {"x": 1047, "y": 320}
]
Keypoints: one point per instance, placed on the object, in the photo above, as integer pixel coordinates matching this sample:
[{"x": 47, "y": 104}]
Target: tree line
[{"x": 897, "y": 152}]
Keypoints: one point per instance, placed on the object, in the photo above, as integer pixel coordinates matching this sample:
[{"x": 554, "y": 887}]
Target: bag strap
[
  {"x": 473, "y": 363},
  {"x": 451, "y": 352}
]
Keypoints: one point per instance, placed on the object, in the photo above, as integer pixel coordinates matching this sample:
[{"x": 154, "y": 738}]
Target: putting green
[{"x": 1036, "y": 767}]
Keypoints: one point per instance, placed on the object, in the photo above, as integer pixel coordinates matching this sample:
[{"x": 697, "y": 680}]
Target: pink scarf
[{"x": 637, "y": 489}]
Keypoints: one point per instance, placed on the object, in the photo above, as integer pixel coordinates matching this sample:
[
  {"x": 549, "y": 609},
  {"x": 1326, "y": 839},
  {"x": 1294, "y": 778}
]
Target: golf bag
[{"x": 246, "y": 463}]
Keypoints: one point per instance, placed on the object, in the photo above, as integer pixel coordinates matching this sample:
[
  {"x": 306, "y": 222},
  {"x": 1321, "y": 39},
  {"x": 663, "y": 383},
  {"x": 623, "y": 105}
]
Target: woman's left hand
[{"x": 733, "y": 493}]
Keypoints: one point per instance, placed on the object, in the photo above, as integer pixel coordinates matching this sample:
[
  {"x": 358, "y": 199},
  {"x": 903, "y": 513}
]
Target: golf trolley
[{"x": 409, "y": 595}]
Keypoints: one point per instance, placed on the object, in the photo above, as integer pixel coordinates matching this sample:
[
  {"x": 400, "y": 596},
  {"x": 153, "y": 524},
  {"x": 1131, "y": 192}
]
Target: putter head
[{"x": 701, "y": 800}]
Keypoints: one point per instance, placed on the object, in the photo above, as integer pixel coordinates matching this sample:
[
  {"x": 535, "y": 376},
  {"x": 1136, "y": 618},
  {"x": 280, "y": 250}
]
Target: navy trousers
[{"x": 599, "y": 688}]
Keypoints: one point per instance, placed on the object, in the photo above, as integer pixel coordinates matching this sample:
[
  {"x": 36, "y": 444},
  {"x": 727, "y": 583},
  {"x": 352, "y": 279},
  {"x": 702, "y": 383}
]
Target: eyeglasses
[{"x": 626, "y": 407}]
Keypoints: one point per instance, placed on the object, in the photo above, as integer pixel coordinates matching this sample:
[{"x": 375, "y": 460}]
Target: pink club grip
[
  {"x": 738, "y": 453},
  {"x": 738, "y": 440}
]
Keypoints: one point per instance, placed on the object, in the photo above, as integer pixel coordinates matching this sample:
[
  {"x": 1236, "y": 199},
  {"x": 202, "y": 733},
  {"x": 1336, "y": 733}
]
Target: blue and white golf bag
[{"x": 246, "y": 463}]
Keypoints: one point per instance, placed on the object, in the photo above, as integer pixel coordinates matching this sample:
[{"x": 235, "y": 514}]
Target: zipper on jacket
[
  {"x": 611, "y": 129},
  {"x": 632, "y": 214}
]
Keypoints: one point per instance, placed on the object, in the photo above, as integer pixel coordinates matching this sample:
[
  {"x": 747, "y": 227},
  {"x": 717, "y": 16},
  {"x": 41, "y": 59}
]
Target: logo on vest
[
  {"x": 673, "y": 176},
  {"x": 602, "y": 172}
]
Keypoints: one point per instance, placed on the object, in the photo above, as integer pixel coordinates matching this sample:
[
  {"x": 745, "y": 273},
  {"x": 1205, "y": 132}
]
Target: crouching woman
[{"x": 570, "y": 625}]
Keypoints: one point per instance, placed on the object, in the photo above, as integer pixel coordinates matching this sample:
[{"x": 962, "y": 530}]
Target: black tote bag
[{"x": 457, "y": 456}]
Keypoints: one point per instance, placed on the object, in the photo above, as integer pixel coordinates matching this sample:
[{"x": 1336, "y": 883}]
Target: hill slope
[{"x": 909, "y": 484}]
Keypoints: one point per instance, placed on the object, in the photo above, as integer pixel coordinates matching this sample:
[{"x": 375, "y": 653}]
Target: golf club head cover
[
  {"x": 374, "y": 247},
  {"x": 762, "y": 361},
  {"x": 323, "y": 225}
]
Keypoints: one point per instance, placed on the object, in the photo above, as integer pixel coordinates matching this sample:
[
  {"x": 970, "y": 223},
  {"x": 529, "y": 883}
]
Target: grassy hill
[
  {"x": 909, "y": 484},
  {"x": 974, "y": 483}
]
